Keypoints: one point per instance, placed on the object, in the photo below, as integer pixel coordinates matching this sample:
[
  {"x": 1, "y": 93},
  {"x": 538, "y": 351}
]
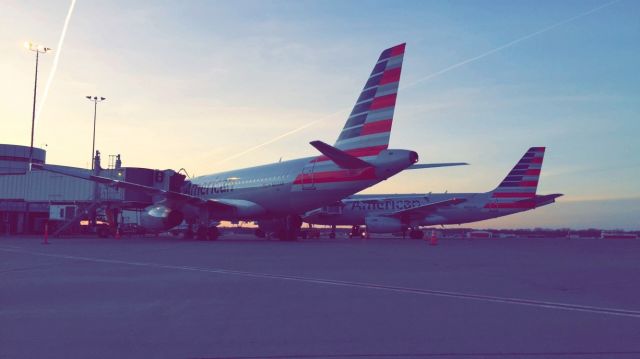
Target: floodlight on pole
[
  {"x": 95, "y": 100},
  {"x": 38, "y": 49}
]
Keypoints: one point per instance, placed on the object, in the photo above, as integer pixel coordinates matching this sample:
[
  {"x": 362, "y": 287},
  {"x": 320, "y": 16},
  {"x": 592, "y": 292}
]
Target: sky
[{"x": 193, "y": 84}]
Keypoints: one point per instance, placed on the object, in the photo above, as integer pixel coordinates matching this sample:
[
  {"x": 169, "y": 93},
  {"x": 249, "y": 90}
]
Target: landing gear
[
  {"x": 213, "y": 233},
  {"x": 201, "y": 233},
  {"x": 188, "y": 233},
  {"x": 332, "y": 235},
  {"x": 282, "y": 228},
  {"x": 416, "y": 234},
  {"x": 204, "y": 233},
  {"x": 356, "y": 231},
  {"x": 103, "y": 232},
  {"x": 290, "y": 229}
]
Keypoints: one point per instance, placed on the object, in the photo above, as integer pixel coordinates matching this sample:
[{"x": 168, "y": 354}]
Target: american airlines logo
[
  {"x": 386, "y": 205},
  {"x": 211, "y": 188}
]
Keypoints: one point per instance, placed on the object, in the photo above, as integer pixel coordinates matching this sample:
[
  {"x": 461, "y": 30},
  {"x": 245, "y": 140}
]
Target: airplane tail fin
[
  {"x": 368, "y": 127},
  {"x": 518, "y": 189}
]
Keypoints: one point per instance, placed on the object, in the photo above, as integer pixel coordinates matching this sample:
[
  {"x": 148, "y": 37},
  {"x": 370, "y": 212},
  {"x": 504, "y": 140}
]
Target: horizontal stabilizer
[
  {"x": 341, "y": 158},
  {"x": 543, "y": 200},
  {"x": 419, "y": 166}
]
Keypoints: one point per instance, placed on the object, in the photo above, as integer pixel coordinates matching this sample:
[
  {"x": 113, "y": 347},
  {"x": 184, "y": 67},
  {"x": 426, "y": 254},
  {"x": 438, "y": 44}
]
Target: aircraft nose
[{"x": 413, "y": 157}]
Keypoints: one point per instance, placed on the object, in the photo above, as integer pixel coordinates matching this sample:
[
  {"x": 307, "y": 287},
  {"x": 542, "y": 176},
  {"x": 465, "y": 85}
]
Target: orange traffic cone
[
  {"x": 434, "y": 239},
  {"x": 118, "y": 232},
  {"x": 46, "y": 233}
]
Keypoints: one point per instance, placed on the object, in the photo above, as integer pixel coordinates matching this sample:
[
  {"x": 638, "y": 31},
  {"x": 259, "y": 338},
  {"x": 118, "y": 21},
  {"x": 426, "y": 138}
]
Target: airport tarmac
[{"x": 241, "y": 297}]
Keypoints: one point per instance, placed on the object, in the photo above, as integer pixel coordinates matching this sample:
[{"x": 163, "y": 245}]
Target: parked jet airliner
[
  {"x": 399, "y": 213},
  {"x": 277, "y": 194}
]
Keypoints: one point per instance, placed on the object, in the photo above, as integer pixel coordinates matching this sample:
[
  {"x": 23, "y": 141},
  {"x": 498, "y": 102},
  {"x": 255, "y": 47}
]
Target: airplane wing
[
  {"x": 418, "y": 166},
  {"x": 427, "y": 207},
  {"x": 216, "y": 204}
]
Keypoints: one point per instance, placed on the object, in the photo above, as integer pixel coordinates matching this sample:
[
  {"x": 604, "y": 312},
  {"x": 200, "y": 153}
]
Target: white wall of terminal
[
  {"x": 40, "y": 186},
  {"x": 43, "y": 186},
  {"x": 27, "y": 195}
]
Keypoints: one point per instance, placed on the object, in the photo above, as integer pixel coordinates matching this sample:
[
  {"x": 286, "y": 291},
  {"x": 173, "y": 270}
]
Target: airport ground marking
[
  {"x": 484, "y": 355},
  {"x": 339, "y": 283}
]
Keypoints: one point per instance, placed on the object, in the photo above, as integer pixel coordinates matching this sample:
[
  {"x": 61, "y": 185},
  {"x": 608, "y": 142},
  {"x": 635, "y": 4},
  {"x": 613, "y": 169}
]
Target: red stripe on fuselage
[
  {"x": 383, "y": 102},
  {"x": 532, "y": 173},
  {"x": 512, "y": 205},
  {"x": 336, "y": 176},
  {"x": 376, "y": 127},
  {"x": 357, "y": 152},
  {"x": 513, "y": 195}
]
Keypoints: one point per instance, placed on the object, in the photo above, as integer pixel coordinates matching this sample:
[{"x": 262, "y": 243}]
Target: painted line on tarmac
[{"x": 389, "y": 288}]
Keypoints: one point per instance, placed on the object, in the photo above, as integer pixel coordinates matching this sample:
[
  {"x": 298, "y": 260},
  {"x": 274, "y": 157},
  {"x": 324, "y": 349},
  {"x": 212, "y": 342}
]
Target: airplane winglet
[{"x": 341, "y": 158}]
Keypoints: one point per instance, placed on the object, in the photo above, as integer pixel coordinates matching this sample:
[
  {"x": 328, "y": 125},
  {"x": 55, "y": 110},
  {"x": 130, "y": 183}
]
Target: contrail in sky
[
  {"x": 511, "y": 43},
  {"x": 56, "y": 58},
  {"x": 298, "y": 129},
  {"x": 435, "y": 74}
]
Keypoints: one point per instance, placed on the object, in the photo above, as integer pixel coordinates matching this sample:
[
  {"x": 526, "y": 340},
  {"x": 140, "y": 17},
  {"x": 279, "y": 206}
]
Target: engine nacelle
[
  {"x": 383, "y": 225},
  {"x": 158, "y": 218}
]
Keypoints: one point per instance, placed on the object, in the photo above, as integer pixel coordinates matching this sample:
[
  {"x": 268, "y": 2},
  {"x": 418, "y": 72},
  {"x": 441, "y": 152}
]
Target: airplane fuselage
[
  {"x": 297, "y": 186},
  {"x": 355, "y": 209}
]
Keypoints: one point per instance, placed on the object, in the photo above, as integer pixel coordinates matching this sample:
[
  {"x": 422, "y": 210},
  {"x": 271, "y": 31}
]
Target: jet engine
[
  {"x": 383, "y": 225},
  {"x": 158, "y": 218}
]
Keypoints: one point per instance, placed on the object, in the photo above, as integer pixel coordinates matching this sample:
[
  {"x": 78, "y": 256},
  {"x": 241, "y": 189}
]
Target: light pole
[
  {"x": 38, "y": 49},
  {"x": 95, "y": 100}
]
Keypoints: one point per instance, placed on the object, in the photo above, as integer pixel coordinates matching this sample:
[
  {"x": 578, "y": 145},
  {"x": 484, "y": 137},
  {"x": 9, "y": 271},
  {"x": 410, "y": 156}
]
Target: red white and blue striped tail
[
  {"x": 518, "y": 189},
  {"x": 368, "y": 127}
]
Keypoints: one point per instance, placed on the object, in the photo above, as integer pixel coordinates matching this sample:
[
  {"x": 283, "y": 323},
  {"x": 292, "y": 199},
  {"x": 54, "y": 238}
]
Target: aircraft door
[{"x": 308, "y": 177}]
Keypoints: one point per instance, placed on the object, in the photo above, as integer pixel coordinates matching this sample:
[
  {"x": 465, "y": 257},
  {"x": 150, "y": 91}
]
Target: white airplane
[
  {"x": 277, "y": 194},
  {"x": 398, "y": 213}
]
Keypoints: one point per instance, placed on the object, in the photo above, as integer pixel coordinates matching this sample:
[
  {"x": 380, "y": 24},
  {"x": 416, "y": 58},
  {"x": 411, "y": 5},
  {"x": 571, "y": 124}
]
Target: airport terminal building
[{"x": 29, "y": 199}]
